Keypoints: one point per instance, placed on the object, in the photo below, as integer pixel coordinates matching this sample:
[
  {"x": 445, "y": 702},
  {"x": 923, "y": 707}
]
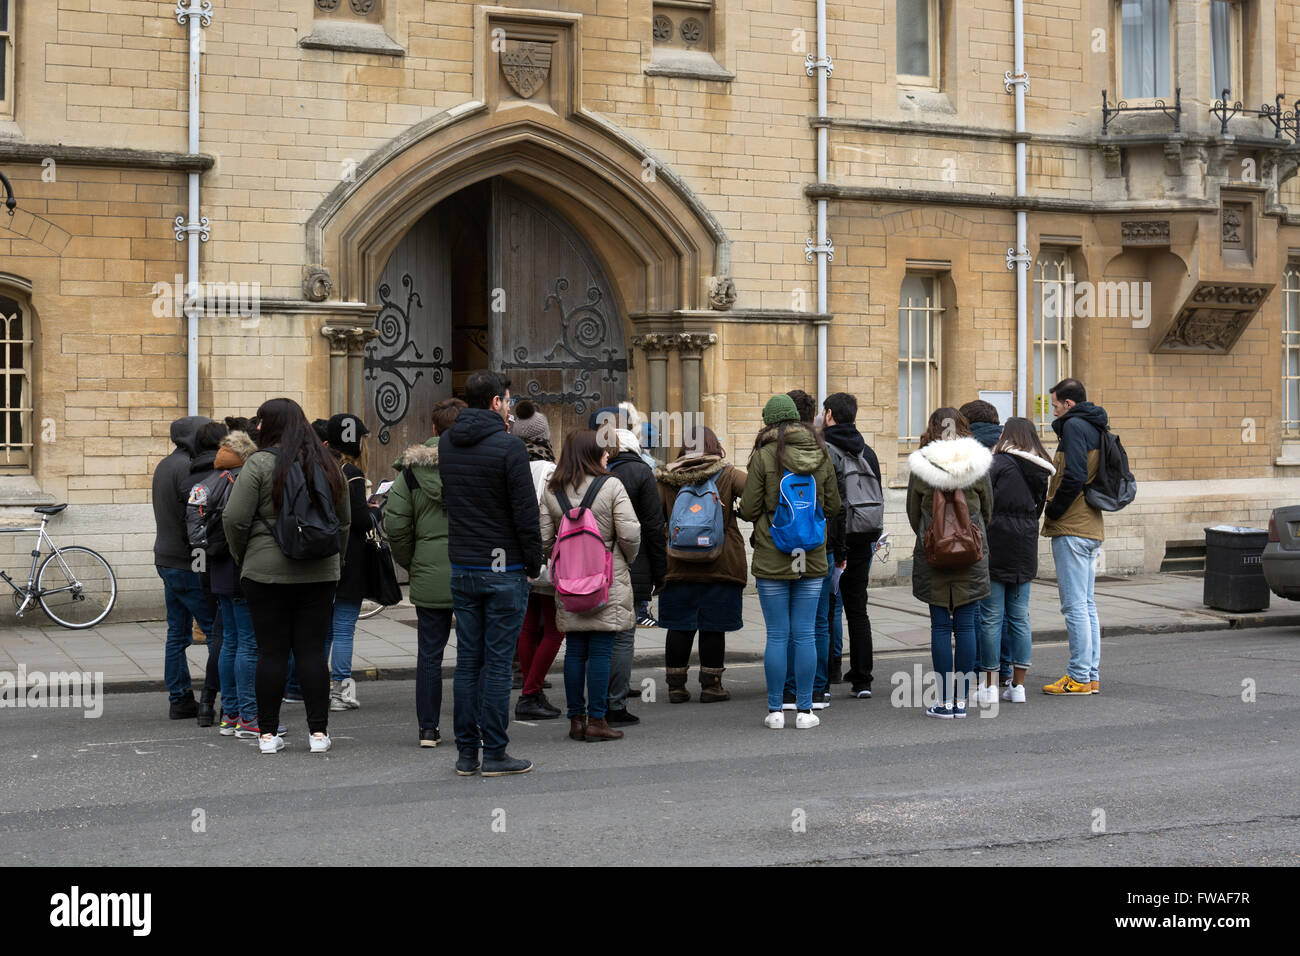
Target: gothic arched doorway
[{"x": 491, "y": 277}]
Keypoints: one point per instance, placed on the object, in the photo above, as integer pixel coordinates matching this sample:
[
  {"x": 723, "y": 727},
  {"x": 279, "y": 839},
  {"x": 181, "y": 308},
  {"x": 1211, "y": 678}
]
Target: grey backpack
[{"x": 864, "y": 500}]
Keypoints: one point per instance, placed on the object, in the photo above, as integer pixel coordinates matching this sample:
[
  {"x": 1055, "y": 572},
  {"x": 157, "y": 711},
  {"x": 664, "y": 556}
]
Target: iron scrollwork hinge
[{"x": 385, "y": 357}]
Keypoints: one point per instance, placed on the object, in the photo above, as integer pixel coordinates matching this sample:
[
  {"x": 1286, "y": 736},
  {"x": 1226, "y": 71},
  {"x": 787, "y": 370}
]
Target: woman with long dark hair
[
  {"x": 291, "y": 600},
  {"x": 589, "y": 635},
  {"x": 1020, "y": 473}
]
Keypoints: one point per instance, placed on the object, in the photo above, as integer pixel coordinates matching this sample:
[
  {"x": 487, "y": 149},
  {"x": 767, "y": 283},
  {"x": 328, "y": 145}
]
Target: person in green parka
[
  {"x": 789, "y": 583},
  {"x": 950, "y": 459},
  {"x": 416, "y": 527}
]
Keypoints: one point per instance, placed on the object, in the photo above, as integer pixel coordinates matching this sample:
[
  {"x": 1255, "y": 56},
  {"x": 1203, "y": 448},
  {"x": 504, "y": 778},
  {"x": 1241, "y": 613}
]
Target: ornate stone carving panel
[
  {"x": 1213, "y": 317},
  {"x": 1145, "y": 233}
]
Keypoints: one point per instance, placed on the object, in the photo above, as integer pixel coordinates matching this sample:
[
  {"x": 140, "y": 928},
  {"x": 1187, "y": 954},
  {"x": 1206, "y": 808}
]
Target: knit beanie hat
[
  {"x": 530, "y": 424},
  {"x": 780, "y": 408}
]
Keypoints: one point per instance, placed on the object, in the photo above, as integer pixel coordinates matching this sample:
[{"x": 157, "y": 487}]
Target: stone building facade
[{"x": 617, "y": 199}]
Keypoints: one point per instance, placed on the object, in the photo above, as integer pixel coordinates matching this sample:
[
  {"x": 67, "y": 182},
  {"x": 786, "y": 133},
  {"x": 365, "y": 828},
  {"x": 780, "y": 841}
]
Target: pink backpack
[{"x": 582, "y": 570}]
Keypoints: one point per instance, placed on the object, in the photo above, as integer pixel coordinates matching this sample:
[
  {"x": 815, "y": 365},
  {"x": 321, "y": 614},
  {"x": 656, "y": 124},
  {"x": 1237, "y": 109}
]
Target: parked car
[{"x": 1281, "y": 557}]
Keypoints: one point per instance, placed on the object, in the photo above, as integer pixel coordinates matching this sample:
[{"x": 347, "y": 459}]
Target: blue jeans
[
  {"x": 944, "y": 627},
  {"x": 238, "y": 661},
  {"x": 343, "y": 632},
  {"x": 1076, "y": 575},
  {"x": 489, "y": 608},
  {"x": 1004, "y": 627},
  {"x": 788, "y": 610},
  {"x": 433, "y": 625},
  {"x": 587, "y": 655},
  {"x": 821, "y": 637},
  {"x": 186, "y": 603}
]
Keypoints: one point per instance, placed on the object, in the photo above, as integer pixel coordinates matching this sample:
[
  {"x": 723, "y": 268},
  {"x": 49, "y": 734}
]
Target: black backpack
[
  {"x": 203, "y": 512},
  {"x": 1113, "y": 487},
  {"x": 307, "y": 528}
]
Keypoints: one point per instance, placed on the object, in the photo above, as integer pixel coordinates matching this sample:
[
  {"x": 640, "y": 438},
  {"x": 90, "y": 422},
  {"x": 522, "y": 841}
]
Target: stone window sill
[
  {"x": 22, "y": 490},
  {"x": 350, "y": 38},
  {"x": 687, "y": 64},
  {"x": 912, "y": 100}
]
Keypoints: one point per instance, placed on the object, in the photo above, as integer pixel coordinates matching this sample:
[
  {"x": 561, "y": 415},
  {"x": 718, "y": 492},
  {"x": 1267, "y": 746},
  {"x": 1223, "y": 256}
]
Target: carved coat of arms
[{"x": 526, "y": 64}]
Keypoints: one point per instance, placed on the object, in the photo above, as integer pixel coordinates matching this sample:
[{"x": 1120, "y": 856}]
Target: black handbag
[{"x": 381, "y": 577}]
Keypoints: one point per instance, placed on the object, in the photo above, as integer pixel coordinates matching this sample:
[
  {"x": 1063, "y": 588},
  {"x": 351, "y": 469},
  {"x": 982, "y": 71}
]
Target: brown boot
[
  {"x": 711, "y": 689},
  {"x": 577, "y": 728},
  {"x": 599, "y": 730},
  {"x": 677, "y": 692}
]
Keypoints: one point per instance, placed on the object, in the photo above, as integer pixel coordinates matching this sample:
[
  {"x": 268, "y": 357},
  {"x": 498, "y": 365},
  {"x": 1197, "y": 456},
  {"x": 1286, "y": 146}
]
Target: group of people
[{"x": 529, "y": 551}]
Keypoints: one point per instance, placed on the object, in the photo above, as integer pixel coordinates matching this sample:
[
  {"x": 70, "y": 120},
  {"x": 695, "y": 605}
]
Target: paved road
[{"x": 1182, "y": 768}]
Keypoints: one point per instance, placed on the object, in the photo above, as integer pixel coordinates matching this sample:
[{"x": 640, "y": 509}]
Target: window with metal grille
[
  {"x": 1053, "y": 321},
  {"x": 6, "y": 59},
  {"x": 1291, "y": 349},
  {"x": 920, "y": 326},
  {"x": 15, "y": 374}
]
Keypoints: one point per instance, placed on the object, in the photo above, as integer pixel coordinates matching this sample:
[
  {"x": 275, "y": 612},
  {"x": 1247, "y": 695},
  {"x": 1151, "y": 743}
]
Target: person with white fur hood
[
  {"x": 1019, "y": 476},
  {"x": 950, "y": 459}
]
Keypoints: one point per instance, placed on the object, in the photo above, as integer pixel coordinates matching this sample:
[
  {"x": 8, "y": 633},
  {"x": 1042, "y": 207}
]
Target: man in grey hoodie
[{"x": 186, "y": 601}]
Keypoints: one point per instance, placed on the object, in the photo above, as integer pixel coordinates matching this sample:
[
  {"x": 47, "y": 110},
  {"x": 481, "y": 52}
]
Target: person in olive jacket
[
  {"x": 950, "y": 459},
  {"x": 704, "y": 596},
  {"x": 1019, "y": 477},
  {"x": 416, "y": 526},
  {"x": 291, "y": 601},
  {"x": 789, "y": 585}
]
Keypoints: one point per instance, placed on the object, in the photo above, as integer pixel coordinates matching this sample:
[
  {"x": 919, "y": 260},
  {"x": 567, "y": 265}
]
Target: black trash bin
[{"x": 1234, "y": 574}]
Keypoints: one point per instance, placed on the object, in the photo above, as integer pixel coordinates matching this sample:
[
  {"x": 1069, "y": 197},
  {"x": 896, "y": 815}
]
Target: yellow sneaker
[
  {"x": 1096, "y": 687},
  {"x": 1067, "y": 685}
]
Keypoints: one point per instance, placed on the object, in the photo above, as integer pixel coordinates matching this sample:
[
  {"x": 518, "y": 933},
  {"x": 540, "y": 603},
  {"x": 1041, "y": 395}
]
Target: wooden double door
[{"x": 493, "y": 277}]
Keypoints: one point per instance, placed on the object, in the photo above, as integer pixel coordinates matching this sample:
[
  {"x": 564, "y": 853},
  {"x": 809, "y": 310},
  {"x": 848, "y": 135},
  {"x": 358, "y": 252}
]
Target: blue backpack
[
  {"x": 799, "y": 524},
  {"x": 695, "y": 528}
]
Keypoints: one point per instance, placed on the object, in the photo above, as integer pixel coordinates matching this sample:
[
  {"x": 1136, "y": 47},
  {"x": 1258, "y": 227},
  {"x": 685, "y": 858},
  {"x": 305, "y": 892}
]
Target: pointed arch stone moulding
[{"x": 657, "y": 241}]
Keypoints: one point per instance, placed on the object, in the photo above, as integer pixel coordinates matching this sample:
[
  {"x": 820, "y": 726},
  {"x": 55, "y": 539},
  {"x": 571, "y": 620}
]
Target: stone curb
[{"x": 132, "y": 685}]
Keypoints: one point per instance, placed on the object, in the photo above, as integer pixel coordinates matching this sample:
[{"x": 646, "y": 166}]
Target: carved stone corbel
[
  {"x": 1173, "y": 159},
  {"x": 722, "y": 293},
  {"x": 1113, "y": 157},
  {"x": 316, "y": 283}
]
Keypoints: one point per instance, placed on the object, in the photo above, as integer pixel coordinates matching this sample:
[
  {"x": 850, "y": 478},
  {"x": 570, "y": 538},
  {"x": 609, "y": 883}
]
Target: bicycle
[{"x": 74, "y": 586}]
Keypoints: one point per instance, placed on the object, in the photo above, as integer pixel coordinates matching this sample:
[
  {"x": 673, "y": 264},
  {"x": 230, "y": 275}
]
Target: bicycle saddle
[{"x": 51, "y": 510}]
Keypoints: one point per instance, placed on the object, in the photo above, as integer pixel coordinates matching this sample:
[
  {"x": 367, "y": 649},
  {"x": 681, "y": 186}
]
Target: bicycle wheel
[{"x": 76, "y": 587}]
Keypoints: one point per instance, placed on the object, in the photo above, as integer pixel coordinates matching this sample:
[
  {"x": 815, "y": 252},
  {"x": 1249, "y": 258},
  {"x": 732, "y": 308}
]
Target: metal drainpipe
[
  {"x": 824, "y": 249},
  {"x": 199, "y": 15},
  {"x": 1019, "y": 258}
]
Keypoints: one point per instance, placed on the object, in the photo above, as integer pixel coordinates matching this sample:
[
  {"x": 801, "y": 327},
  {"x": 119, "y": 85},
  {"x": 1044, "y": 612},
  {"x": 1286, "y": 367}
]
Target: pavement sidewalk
[{"x": 130, "y": 655}]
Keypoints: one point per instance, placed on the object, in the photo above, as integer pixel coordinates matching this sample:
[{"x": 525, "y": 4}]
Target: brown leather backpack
[{"x": 952, "y": 542}]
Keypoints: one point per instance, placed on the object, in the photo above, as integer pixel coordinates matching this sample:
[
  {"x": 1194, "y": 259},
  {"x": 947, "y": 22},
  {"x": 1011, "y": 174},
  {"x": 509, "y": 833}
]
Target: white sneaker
[
  {"x": 320, "y": 743},
  {"x": 820, "y": 704},
  {"x": 348, "y": 694},
  {"x": 337, "y": 702},
  {"x": 1015, "y": 695},
  {"x": 986, "y": 696},
  {"x": 806, "y": 721},
  {"x": 269, "y": 744},
  {"x": 775, "y": 720}
]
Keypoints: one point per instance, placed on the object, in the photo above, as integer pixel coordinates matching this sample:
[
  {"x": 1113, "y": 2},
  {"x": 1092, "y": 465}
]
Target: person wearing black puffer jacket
[
  {"x": 494, "y": 543},
  {"x": 1019, "y": 475},
  {"x": 651, "y": 564}
]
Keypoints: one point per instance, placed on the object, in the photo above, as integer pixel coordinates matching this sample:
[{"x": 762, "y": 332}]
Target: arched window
[
  {"x": 1291, "y": 349},
  {"x": 920, "y": 327},
  {"x": 15, "y": 383},
  {"x": 1053, "y": 322}
]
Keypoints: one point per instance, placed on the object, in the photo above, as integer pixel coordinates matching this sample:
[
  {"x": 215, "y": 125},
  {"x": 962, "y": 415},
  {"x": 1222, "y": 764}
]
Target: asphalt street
[{"x": 1168, "y": 765}]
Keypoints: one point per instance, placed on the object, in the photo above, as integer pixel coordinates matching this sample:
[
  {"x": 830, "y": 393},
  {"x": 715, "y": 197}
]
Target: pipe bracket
[
  {"x": 201, "y": 10},
  {"x": 812, "y": 63},
  {"x": 184, "y": 229},
  {"x": 1014, "y": 260},
  {"x": 1015, "y": 79},
  {"x": 809, "y": 248}
]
